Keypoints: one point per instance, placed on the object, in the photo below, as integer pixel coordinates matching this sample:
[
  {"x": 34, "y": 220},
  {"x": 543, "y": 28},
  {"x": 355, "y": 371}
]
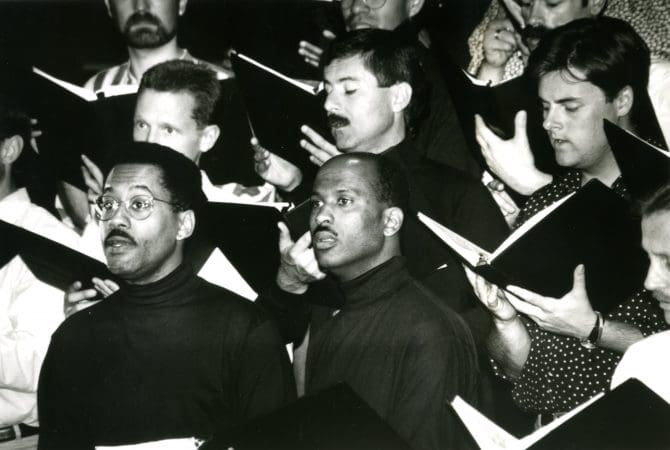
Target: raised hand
[
  {"x": 318, "y": 146},
  {"x": 511, "y": 160},
  {"x": 298, "y": 265}
]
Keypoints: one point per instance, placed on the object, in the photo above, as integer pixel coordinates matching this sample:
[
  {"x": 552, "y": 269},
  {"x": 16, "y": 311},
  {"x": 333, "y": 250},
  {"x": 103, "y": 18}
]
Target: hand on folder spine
[
  {"x": 571, "y": 315},
  {"x": 298, "y": 265},
  {"x": 512, "y": 160},
  {"x": 318, "y": 146},
  {"x": 274, "y": 169},
  {"x": 93, "y": 178},
  {"x": 492, "y": 297},
  {"x": 311, "y": 53},
  {"x": 78, "y": 298}
]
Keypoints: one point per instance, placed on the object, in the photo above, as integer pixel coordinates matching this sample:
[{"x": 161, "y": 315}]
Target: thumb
[
  {"x": 579, "y": 280},
  {"x": 328, "y": 34},
  {"x": 285, "y": 240},
  {"x": 520, "y": 123}
]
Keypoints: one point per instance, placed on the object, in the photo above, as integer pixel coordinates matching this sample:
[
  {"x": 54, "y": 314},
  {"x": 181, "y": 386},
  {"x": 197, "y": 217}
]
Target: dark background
[{"x": 73, "y": 39}]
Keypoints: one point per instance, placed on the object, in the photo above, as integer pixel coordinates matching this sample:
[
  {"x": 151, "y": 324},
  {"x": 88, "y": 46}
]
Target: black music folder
[
  {"x": 593, "y": 227},
  {"x": 248, "y": 236},
  {"x": 51, "y": 262},
  {"x": 75, "y": 121},
  {"x": 631, "y": 416},
  {"x": 333, "y": 419},
  {"x": 498, "y": 105},
  {"x": 644, "y": 166},
  {"x": 277, "y": 107},
  {"x": 271, "y": 31}
]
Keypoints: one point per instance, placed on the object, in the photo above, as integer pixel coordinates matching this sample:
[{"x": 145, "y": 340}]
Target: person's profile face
[
  {"x": 140, "y": 251},
  {"x": 359, "y": 111},
  {"x": 656, "y": 242},
  {"x": 166, "y": 118},
  {"x": 347, "y": 218},
  {"x": 359, "y": 14},
  {"x": 541, "y": 16},
  {"x": 573, "y": 112},
  {"x": 145, "y": 24}
]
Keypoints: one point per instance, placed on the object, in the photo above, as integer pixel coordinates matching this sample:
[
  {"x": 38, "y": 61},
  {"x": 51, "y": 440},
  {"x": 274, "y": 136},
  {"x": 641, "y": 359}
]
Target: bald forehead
[{"x": 348, "y": 172}]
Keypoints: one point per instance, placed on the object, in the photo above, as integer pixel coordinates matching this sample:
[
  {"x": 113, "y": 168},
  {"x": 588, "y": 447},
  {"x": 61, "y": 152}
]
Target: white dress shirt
[{"x": 30, "y": 311}]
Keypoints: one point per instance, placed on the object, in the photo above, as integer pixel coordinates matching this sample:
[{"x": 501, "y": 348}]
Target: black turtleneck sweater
[
  {"x": 404, "y": 352},
  {"x": 176, "y": 358}
]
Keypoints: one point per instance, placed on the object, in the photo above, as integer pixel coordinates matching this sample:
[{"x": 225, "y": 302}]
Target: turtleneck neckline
[
  {"x": 165, "y": 290},
  {"x": 375, "y": 283}
]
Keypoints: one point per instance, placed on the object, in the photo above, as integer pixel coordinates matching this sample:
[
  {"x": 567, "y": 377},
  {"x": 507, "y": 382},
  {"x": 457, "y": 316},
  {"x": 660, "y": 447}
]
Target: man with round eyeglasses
[{"x": 167, "y": 356}]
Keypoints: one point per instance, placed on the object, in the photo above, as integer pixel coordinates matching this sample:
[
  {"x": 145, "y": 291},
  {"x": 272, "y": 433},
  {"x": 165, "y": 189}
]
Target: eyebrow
[
  {"x": 563, "y": 100},
  {"x": 135, "y": 186}
]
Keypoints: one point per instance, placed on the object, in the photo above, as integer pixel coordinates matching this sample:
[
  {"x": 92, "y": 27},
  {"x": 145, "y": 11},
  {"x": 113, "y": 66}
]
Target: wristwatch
[{"x": 590, "y": 342}]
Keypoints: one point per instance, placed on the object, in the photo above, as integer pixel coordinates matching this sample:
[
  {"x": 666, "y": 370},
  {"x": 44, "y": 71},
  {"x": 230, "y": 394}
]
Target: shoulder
[
  {"x": 105, "y": 77},
  {"x": 40, "y": 221},
  {"x": 230, "y": 305},
  {"x": 428, "y": 318},
  {"x": 221, "y": 72}
]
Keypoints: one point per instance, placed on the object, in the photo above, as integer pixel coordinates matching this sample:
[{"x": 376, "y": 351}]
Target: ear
[
  {"x": 10, "y": 149},
  {"x": 401, "y": 95},
  {"x": 596, "y": 6},
  {"x": 393, "y": 219},
  {"x": 623, "y": 102},
  {"x": 182, "y": 6},
  {"x": 414, "y": 6},
  {"x": 208, "y": 137},
  {"x": 109, "y": 8},
  {"x": 186, "y": 224}
]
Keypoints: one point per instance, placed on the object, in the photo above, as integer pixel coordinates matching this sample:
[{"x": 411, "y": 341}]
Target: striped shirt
[{"x": 122, "y": 74}]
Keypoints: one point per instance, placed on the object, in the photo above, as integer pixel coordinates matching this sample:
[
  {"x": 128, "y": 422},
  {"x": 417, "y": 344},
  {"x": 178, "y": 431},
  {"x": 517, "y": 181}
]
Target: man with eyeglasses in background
[{"x": 167, "y": 356}]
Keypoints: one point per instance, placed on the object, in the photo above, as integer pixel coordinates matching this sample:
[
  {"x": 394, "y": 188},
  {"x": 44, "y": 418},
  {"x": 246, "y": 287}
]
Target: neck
[
  {"x": 142, "y": 59},
  {"x": 344, "y": 274},
  {"x": 394, "y": 136},
  {"x": 7, "y": 187},
  {"x": 606, "y": 170}
]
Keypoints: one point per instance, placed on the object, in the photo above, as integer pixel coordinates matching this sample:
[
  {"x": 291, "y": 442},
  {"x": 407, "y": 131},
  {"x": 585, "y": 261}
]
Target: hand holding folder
[
  {"x": 592, "y": 227},
  {"x": 278, "y": 106}
]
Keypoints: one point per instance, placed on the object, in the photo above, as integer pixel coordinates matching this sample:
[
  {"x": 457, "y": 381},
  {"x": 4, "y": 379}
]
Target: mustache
[
  {"x": 142, "y": 17},
  {"x": 335, "y": 121},
  {"x": 325, "y": 228},
  {"x": 119, "y": 233},
  {"x": 534, "y": 32}
]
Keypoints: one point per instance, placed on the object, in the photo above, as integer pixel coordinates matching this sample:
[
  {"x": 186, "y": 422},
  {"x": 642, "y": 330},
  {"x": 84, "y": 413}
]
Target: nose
[
  {"x": 358, "y": 5},
  {"x": 654, "y": 280},
  {"x": 322, "y": 215},
  {"x": 331, "y": 104},
  {"x": 141, "y": 5},
  {"x": 551, "y": 120},
  {"x": 536, "y": 14}
]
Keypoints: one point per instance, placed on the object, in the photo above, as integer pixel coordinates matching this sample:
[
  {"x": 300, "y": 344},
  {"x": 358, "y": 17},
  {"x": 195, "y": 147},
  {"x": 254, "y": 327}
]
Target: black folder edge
[
  {"x": 311, "y": 422},
  {"x": 644, "y": 167},
  {"x": 50, "y": 261}
]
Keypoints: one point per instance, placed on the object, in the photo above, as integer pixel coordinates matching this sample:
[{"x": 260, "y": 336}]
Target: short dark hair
[
  {"x": 390, "y": 183},
  {"x": 391, "y": 58},
  {"x": 179, "y": 175},
  {"x": 608, "y": 51},
  {"x": 178, "y": 76},
  {"x": 658, "y": 201}
]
